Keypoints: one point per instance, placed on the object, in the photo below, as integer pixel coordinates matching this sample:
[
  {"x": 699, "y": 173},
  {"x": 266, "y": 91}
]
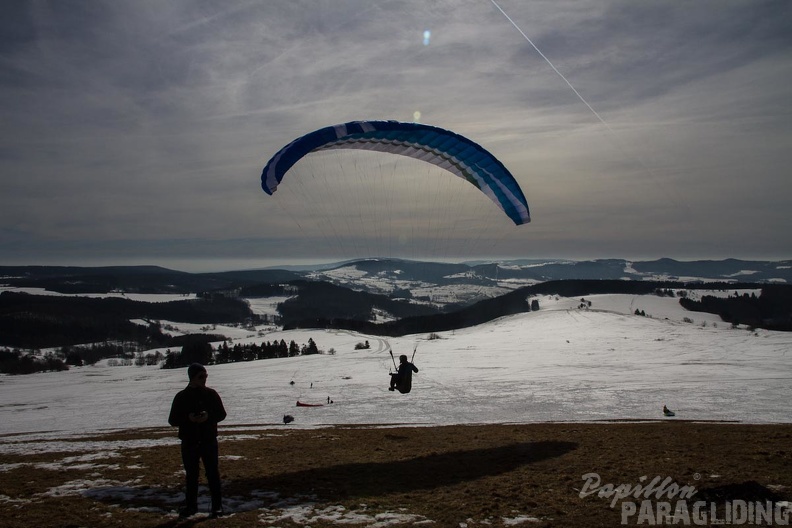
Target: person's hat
[{"x": 195, "y": 369}]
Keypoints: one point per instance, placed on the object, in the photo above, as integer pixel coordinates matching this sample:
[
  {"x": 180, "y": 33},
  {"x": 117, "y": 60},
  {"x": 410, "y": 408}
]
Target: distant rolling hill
[{"x": 441, "y": 283}]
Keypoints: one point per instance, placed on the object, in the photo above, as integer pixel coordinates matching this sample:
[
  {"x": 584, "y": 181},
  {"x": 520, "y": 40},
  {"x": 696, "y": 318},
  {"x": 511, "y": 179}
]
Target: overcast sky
[{"x": 135, "y": 132}]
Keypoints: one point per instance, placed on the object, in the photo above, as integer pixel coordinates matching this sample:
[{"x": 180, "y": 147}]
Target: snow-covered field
[{"x": 561, "y": 363}]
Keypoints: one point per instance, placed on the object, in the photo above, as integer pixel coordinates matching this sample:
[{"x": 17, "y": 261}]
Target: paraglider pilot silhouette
[{"x": 401, "y": 380}]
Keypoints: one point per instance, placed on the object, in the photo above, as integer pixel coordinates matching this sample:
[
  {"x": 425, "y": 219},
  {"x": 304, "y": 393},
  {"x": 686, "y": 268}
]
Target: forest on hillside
[
  {"x": 772, "y": 309},
  {"x": 45, "y": 321}
]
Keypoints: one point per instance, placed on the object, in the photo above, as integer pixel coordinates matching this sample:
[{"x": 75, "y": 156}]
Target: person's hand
[{"x": 200, "y": 417}]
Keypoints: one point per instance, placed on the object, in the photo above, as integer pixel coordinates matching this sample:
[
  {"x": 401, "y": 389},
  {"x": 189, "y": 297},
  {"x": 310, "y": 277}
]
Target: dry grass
[{"x": 476, "y": 475}]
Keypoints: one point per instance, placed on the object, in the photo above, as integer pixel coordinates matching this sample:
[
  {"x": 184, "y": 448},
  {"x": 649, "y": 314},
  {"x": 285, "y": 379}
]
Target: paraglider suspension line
[{"x": 394, "y": 361}]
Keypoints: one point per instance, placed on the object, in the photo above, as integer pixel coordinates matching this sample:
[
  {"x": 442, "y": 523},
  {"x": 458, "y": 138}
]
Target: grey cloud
[{"x": 152, "y": 120}]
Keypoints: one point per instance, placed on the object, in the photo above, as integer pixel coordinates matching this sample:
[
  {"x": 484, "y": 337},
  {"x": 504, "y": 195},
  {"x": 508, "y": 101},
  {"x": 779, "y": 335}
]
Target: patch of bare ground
[{"x": 476, "y": 475}]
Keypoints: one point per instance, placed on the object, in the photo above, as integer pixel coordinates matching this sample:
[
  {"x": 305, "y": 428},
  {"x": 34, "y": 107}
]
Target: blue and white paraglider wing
[{"x": 442, "y": 148}]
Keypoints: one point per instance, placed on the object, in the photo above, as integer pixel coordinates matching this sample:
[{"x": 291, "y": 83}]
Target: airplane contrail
[
  {"x": 513, "y": 23},
  {"x": 679, "y": 200}
]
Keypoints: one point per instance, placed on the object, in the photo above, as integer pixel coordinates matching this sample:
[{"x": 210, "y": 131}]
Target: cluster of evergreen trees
[
  {"x": 89, "y": 355},
  {"x": 18, "y": 362},
  {"x": 771, "y": 310},
  {"x": 203, "y": 353},
  {"x": 194, "y": 351}
]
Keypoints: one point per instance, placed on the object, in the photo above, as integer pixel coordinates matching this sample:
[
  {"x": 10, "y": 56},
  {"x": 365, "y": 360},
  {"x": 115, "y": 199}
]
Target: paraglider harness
[{"x": 401, "y": 380}]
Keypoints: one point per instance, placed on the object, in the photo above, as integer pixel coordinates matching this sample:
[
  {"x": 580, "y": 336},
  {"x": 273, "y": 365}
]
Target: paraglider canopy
[{"x": 443, "y": 148}]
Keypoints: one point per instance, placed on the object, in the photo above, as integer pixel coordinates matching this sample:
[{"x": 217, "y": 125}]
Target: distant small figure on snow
[
  {"x": 667, "y": 411},
  {"x": 288, "y": 418},
  {"x": 291, "y": 382}
]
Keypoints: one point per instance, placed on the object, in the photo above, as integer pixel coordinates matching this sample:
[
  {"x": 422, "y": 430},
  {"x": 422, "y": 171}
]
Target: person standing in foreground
[{"x": 196, "y": 411}]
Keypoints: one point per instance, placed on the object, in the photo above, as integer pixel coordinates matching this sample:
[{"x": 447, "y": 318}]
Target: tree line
[
  {"x": 46, "y": 321},
  {"x": 18, "y": 362},
  {"x": 196, "y": 350},
  {"x": 205, "y": 354},
  {"x": 772, "y": 309}
]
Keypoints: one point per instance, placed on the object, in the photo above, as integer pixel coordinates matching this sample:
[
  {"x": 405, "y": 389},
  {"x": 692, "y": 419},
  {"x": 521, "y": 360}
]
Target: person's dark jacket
[
  {"x": 195, "y": 400},
  {"x": 406, "y": 369},
  {"x": 404, "y": 377}
]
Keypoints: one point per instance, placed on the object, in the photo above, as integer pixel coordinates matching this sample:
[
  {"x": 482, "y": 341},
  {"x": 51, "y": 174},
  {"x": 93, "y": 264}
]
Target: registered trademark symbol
[{"x": 696, "y": 476}]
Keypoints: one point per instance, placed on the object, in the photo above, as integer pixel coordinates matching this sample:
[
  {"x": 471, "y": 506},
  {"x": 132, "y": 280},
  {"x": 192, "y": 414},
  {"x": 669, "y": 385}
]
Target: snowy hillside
[{"x": 561, "y": 363}]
